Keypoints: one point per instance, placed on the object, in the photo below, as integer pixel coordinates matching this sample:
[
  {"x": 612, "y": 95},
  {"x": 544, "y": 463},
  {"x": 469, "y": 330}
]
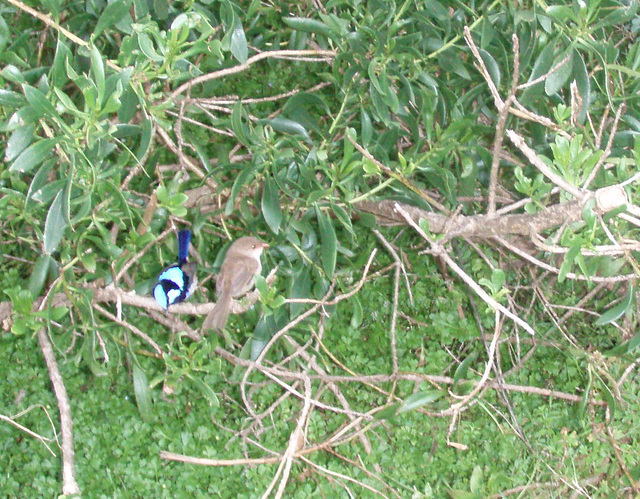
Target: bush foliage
[{"x": 450, "y": 195}]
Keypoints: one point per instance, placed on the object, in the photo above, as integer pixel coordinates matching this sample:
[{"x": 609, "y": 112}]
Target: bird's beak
[{"x": 265, "y": 245}]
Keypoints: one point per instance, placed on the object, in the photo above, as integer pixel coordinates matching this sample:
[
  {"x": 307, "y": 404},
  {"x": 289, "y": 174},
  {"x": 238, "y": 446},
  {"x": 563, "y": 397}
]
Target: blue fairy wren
[{"x": 177, "y": 283}]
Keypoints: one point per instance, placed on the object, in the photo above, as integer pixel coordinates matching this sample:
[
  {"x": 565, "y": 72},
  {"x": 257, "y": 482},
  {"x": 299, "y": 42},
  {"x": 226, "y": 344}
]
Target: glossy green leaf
[
  {"x": 39, "y": 101},
  {"x": 33, "y": 155},
  {"x": 617, "y": 311},
  {"x": 492, "y": 67},
  {"x": 148, "y": 49},
  {"x": 18, "y": 141},
  {"x": 97, "y": 71},
  {"x": 285, "y": 125},
  {"x": 568, "y": 261},
  {"x": 39, "y": 274},
  {"x": 328, "y": 242},
  {"x": 308, "y": 25},
  {"x": 626, "y": 347},
  {"x": 366, "y": 127},
  {"x": 142, "y": 391},
  {"x": 238, "y": 45},
  {"x": 55, "y": 224},
  {"x": 419, "y": 399},
  {"x": 556, "y": 80},
  {"x": 237, "y": 123},
  {"x": 583, "y": 83},
  {"x": 463, "y": 368},
  {"x": 271, "y": 205},
  {"x": 542, "y": 66},
  {"x": 243, "y": 178},
  {"x": 300, "y": 288},
  {"x": 113, "y": 13},
  {"x": 206, "y": 391},
  {"x": 358, "y": 313},
  {"x": 11, "y": 99}
]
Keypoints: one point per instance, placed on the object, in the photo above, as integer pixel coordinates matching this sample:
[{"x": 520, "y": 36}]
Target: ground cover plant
[{"x": 448, "y": 305}]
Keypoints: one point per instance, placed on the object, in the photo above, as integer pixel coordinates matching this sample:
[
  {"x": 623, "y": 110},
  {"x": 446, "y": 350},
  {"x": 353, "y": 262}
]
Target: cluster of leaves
[{"x": 80, "y": 116}]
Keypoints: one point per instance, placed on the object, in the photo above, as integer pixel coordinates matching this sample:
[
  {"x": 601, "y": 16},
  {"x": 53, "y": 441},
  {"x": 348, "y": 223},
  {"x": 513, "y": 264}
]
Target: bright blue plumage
[
  {"x": 184, "y": 238},
  {"x": 177, "y": 283}
]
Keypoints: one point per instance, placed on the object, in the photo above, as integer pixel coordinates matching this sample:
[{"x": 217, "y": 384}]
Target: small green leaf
[
  {"x": 113, "y": 13},
  {"x": 614, "y": 313},
  {"x": 39, "y": 101},
  {"x": 492, "y": 67},
  {"x": 18, "y": 141},
  {"x": 366, "y": 127},
  {"x": 97, "y": 71},
  {"x": 285, "y": 125},
  {"x": 461, "y": 371},
  {"x": 237, "y": 123},
  {"x": 358, "y": 313},
  {"x": 33, "y": 155},
  {"x": 419, "y": 399},
  {"x": 308, "y": 25},
  {"x": 55, "y": 224},
  {"x": 567, "y": 263},
  {"x": 10, "y": 99},
  {"x": 559, "y": 77},
  {"x": 206, "y": 391},
  {"x": 243, "y": 178},
  {"x": 238, "y": 46},
  {"x": 142, "y": 392},
  {"x": 271, "y": 205},
  {"x": 39, "y": 274},
  {"x": 328, "y": 242},
  {"x": 146, "y": 46}
]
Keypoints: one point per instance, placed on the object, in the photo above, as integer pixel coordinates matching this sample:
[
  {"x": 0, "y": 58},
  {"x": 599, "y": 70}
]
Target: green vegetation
[{"x": 436, "y": 181}]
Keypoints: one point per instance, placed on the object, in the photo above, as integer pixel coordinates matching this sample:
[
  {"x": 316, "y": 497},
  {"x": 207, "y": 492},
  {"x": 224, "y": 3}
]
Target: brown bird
[{"x": 240, "y": 266}]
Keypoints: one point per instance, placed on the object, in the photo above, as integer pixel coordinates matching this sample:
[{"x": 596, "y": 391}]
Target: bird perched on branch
[
  {"x": 177, "y": 283},
  {"x": 236, "y": 278}
]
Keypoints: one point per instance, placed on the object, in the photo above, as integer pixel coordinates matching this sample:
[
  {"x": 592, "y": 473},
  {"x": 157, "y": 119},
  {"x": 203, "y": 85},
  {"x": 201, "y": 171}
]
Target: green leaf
[
  {"x": 542, "y": 65},
  {"x": 308, "y": 25},
  {"x": 626, "y": 347},
  {"x": 18, "y": 141},
  {"x": 39, "y": 274},
  {"x": 583, "y": 83},
  {"x": 567, "y": 263},
  {"x": 97, "y": 71},
  {"x": 614, "y": 313},
  {"x": 146, "y": 46},
  {"x": 55, "y": 224},
  {"x": 39, "y": 101},
  {"x": 271, "y": 205},
  {"x": 492, "y": 67},
  {"x": 328, "y": 242},
  {"x": 285, "y": 125},
  {"x": 33, "y": 155},
  {"x": 112, "y": 14},
  {"x": 238, "y": 46},
  {"x": 10, "y": 99},
  {"x": 461, "y": 371},
  {"x": 243, "y": 178},
  {"x": 559, "y": 77},
  {"x": 142, "y": 392},
  {"x": 419, "y": 399},
  {"x": 206, "y": 391},
  {"x": 366, "y": 127},
  {"x": 237, "y": 123}
]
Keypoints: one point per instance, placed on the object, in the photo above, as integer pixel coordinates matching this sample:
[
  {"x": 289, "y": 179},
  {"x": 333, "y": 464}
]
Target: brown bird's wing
[{"x": 238, "y": 279}]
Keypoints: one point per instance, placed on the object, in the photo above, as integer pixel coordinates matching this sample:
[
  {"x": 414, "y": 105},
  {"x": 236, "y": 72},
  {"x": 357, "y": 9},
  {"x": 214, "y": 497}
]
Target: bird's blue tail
[{"x": 184, "y": 238}]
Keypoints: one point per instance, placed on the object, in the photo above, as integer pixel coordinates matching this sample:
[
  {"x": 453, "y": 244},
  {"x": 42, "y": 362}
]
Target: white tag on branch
[{"x": 610, "y": 198}]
